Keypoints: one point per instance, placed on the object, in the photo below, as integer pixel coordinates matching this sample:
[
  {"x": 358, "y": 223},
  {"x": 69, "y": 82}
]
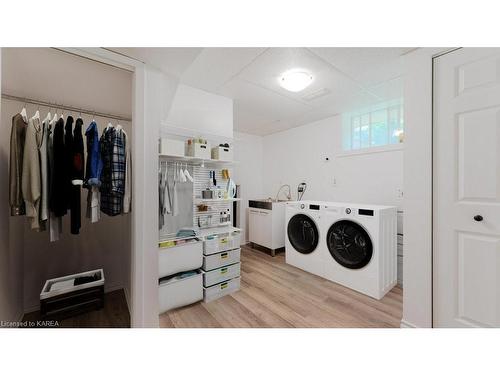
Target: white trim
[
  {"x": 406, "y": 324},
  {"x": 417, "y": 260},
  {"x": 372, "y": 150}
]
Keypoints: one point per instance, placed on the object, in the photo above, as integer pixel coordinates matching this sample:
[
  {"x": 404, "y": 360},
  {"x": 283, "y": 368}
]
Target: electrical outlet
[{"x": 399, "y": 193}]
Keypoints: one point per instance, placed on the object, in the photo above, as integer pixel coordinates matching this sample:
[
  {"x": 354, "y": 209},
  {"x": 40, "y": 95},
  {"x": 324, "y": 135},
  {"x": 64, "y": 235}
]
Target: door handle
[{"x": 478, "y": 218}]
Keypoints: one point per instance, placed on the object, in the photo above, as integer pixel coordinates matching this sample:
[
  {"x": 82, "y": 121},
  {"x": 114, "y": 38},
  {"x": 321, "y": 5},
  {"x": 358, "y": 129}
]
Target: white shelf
[
  {"x": 193, "y": 160},
  {"x": 216, "y": 200}
]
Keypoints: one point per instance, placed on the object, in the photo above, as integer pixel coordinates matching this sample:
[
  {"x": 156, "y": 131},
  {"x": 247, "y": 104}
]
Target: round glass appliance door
[
  {"x": 303, "y": 233},
  {"x": 349, "y": 244}
]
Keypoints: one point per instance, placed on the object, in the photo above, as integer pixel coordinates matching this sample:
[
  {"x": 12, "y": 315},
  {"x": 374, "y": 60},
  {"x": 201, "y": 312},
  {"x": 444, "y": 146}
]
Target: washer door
[
  {"x": 303, "y": 233},
  {"x": 349, "y": 244}
]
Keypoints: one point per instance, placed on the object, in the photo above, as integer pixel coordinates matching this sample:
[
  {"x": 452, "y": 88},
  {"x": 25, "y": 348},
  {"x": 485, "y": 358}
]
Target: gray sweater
[{"x": 31, "y": 178}]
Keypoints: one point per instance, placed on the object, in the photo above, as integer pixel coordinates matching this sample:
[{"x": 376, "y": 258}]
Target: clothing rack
[{"x": 66, "y": 107}]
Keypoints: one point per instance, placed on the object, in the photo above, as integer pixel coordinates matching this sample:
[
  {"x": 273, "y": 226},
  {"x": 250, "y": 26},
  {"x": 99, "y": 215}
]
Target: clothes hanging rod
[{"x": 65, "y": 107}]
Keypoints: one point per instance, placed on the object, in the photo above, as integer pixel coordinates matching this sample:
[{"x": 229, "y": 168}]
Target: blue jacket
[{"x": 94, "y": 162}]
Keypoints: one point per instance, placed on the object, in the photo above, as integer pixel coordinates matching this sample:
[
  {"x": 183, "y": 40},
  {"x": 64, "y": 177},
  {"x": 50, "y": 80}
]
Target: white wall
[
  {"x": 197, "y": 112},
  {"x": 298, "y": 155},
  {"x": 248, "y": 173},
  {"x": 51, "y": 75}
]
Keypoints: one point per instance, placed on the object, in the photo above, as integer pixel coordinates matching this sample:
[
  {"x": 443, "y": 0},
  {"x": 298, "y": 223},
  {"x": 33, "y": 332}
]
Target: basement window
[{"x": 377, "y": 126}]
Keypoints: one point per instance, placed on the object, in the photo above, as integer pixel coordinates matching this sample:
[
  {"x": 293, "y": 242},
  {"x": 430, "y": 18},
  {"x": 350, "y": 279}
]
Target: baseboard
[
  {"x": 127, "y": 299},
  {"x": 405, "y": 324},
  {"x": 35, "y": 306},
  {"x": 20, "y": 316}
]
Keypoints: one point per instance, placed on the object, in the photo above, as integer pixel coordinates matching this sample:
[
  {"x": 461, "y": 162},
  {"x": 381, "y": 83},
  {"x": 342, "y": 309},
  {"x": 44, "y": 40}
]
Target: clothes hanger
[
  {"x": 37, "y": 113},
  {"x": 23, "y": 112},
  {"x": 48, "y": 117},
  {"x": 187, "y": 174}
]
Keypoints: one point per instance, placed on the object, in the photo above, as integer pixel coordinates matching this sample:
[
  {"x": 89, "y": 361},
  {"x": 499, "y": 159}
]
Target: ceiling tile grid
[{"x": 344, "y": 79}]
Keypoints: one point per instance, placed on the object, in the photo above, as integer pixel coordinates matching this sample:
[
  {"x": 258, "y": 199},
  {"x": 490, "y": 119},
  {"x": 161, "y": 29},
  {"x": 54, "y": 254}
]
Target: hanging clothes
[
  {"x": 42, "y": 150},
  {"x": 17, "y": 140},
  {"x": 55, "y": 223},
  {"x": 58, "y": 195},
  {"x": 31, "y": 179},
  {"x": 113, "y": 171},
  {"x": 68, "y": 160},
  {"x": 161, "y": 196},
  {"x": 77, "y": 174},
  {"x": 127, "y": 194},
  {"x": 93, "y": 173}
]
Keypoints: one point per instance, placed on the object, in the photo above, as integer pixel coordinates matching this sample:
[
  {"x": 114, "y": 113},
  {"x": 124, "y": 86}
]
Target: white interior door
[{"x": 467, "y": 188}]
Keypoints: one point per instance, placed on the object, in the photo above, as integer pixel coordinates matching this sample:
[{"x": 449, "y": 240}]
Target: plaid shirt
[{"x": 112, "y": 147}]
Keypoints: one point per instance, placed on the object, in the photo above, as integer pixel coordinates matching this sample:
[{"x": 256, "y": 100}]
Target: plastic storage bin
[
  {"x": 175, "y": 293},
  {"x": 60, "y": 298},
  {"x": 211, "y": 262},
  {"x": 221, "y": 242},
  {"x": 222, "y": 153},
  {"x": 221, "y": 274},
  {"x": 199, "y": 150},
  {"x": 181, "y": 258},
  {"x": 221, "y": 290},
  {"x": 172, "y": 147}
]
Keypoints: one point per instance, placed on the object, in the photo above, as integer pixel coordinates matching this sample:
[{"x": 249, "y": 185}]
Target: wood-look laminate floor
[
  {"x": 114, "y": 315},
  {"x": 275, "y": 294}
]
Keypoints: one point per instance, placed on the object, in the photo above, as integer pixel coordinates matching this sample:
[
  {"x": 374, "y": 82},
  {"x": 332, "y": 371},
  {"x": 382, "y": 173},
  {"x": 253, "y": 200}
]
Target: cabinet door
[
  {"x": 254, "y": 225},
  {"x": 266, "y": 228}
]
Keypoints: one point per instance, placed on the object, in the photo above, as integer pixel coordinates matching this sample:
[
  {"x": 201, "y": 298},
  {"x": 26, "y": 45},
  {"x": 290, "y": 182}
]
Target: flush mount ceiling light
[{"x": 295, "y": 80}]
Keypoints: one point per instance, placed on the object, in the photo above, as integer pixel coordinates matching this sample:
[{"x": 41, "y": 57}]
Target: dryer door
[
  {"x": 349, "y": 244},
  {"x": 303, "y": 233}
]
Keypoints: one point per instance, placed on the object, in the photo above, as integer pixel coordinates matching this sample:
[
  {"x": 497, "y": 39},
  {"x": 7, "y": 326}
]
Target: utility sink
[{"x": 265, "y": 204}]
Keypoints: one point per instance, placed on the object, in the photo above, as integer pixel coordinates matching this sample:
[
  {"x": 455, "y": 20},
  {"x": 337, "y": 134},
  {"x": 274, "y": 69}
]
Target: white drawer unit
[
  {"x": 221, "y": 242},
  {"x": 221, "y": 290},
  {"x": 222, "y": 153},
  {"x": 175, "y": 292},
  {"x": 221, "y": 274},
  {"x": 181, "y": 258},
  {"x": 211, "y": 262}
]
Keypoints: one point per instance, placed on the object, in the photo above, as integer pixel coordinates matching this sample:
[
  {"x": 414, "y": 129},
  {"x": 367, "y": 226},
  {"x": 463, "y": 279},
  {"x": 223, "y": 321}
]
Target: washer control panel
[{"x": 347, "y": 210}]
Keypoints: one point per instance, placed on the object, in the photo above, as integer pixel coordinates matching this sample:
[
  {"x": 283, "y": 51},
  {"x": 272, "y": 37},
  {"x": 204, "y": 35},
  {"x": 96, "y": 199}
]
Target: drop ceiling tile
[
  {"x": 368, "y": 66},
  {"x": 213, "y": 67},
  {"x": 389, "y": 90},
  {"x": 266, "y": 70},
  {"x": 261, "y": 102}
]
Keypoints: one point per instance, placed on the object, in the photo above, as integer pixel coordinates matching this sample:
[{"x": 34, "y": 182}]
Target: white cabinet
[{"x": 267, "y": 227}]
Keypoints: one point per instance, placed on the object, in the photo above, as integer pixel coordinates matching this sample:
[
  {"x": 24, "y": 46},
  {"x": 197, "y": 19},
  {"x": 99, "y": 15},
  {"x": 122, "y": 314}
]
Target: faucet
[{"x": 289, "y": 195}]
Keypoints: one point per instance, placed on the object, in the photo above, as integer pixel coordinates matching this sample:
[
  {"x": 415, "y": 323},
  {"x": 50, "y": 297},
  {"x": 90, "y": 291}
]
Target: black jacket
[{"x": 58, "y": 195}]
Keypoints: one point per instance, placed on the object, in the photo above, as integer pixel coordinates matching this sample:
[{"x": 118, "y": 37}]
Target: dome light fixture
[{"x": 295, "y": 80}]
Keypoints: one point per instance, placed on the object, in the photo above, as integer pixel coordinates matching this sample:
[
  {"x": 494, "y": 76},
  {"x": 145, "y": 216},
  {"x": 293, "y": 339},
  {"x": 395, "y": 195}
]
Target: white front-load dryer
[
  {"x": 303, "y": 236},
  {"x": 360, "y": 246}
]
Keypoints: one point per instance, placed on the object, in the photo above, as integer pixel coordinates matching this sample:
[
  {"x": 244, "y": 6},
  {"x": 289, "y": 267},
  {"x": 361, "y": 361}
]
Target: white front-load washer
[
  {"x": 360, "y": 246},
  {"x": 303, "y": 236}
]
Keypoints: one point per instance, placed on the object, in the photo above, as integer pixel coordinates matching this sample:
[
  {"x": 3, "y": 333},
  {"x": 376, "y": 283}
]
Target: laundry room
[
  {"x": 278, "y": 176},
  {"x": 281, "y": 187},
  {"x": 270, "y": 185}
]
